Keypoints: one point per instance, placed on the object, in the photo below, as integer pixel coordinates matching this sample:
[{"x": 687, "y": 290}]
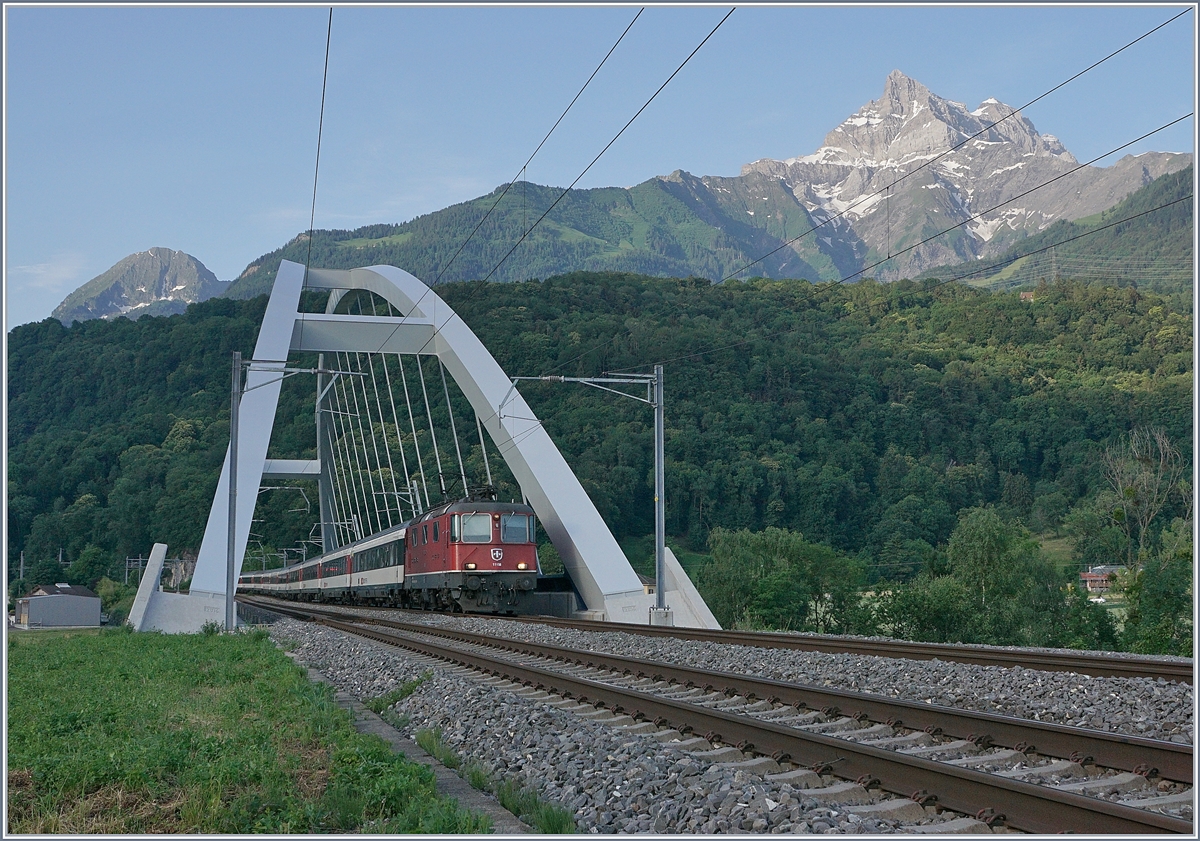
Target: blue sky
[{"x": 195, "y": 128}]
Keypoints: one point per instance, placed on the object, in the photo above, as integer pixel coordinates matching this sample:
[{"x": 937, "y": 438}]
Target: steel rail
[
  {"x": 1094, "y": 664},
  {"x": 1021, "y": 805},
  {"x": 1109, "y": 750}
]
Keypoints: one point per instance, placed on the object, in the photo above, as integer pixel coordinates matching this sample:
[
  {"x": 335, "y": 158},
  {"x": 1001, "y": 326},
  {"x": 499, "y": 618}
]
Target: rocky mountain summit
[
  {"x": 912, "y": 164},
  {"x": 155, "y": 282}
]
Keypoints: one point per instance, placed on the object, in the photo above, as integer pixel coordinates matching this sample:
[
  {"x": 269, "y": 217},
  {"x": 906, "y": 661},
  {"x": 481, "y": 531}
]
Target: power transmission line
[
  {"x": 933, "y": 237},
  {"x": 320, "y": 128},
  {"x": 611, "y": 142},
  {"x": 539, "y": 147},
  {"x": 951, "y": 149},
  {"x": 924, "y": 289},
  {"x": 438, "y": 328}
]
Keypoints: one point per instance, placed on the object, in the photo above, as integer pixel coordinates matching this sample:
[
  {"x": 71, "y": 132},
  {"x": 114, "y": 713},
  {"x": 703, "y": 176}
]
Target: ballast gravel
[
  {"x": 611, "y": 782},
  {"x": 622, "y": 783},
  {"x": 1154, "y": 709}
]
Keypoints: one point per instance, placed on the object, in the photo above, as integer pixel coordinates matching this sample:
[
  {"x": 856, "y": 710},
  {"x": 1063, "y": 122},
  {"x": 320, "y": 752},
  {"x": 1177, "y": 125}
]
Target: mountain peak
[
  {"x": 902, "y": 90},
  {"x": 157, "y": 281}
]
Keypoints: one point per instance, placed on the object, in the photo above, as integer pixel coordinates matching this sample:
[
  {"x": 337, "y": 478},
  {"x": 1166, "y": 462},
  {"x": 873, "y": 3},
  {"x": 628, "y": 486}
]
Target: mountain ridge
[
  {"x": 865, "y": 202},
  {"x": 158, "y": 281}
]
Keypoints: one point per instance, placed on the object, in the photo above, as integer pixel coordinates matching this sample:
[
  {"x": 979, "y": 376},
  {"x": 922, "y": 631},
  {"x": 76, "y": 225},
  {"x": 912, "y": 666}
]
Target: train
[{"x": 471, "y": 556}]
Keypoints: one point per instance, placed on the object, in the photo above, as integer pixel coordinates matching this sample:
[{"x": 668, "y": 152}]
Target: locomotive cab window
[
  {"x": 476, "y": 528},
  {"x": 514, "y": 528},
  {"x": 425, "y": 533},
  {"x": 435, "y": 531}
]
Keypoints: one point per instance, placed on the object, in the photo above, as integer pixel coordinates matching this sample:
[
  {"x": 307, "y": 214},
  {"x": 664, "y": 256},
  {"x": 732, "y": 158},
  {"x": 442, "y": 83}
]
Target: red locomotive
[{"x": 471, "y": 555}]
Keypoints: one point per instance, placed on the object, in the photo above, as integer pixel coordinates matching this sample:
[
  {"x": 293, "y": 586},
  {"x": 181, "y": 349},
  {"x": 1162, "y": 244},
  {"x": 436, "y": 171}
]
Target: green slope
[
  {"x": 1153, "y": 250},
  {"x": 677, "y": 226}
]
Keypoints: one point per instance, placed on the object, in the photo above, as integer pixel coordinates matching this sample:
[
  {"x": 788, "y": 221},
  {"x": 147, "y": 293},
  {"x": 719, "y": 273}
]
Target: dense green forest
[{"x": 873, "y": 421}]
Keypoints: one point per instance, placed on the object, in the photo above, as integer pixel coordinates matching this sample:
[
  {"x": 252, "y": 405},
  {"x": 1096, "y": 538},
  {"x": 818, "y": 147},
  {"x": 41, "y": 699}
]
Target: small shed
[
  {"x": 1099, "y": 579},
  {"x": 648, "y": 584},
  {"x": 59, "y": 606}
]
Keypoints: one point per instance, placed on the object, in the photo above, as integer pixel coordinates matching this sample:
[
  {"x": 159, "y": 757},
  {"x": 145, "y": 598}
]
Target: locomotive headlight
[
  {"x": 470, "y": 566},
  {"x": 522, "y": 565}
]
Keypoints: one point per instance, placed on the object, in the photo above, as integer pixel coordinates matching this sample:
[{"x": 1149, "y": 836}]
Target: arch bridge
[{"x": 418, "y": 324}]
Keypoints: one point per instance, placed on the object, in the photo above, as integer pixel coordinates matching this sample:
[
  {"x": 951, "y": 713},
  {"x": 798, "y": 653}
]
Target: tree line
[{"x": 869, "y": 418}]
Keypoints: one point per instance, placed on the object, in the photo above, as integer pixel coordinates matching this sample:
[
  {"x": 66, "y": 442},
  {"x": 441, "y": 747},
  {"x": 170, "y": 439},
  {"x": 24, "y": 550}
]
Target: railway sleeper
[
  {"x": 838, "y": 725},
  {"x": 759, "y": 766},
  {"x": 1162, "y": 801},
  {"x": 1118, "y": 784},
  {"x": 994, "y": 759},
  {"x": 716, "y": 755},
  {"x": 842, "y": 794},
  {"x": 876, "y": 734},
  {"x": 957, "y": 826},
  {"x": 918, "y": 739},
  {"x": 933, "y": 751},
  {"x": 1060, "y": 768},
  {"x": 801, "y": 778},
  {"x": 898, "y": 809}
]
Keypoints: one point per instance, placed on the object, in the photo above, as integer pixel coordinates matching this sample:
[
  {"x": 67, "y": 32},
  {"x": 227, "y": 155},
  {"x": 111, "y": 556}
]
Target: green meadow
[{"x": 115, "y": 732}]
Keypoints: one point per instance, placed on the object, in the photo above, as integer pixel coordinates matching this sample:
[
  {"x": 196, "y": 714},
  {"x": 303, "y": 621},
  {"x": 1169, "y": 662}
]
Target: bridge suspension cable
[
  {"x": 453, "y": 432},
  {"x": 371, "y": 482}
]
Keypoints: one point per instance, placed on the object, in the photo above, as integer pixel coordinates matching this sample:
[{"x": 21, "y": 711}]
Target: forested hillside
[
  {"x": 867, "y": 417},
  {"x": 1153, "y": 250},
  {"x": 665, "y": 226}
]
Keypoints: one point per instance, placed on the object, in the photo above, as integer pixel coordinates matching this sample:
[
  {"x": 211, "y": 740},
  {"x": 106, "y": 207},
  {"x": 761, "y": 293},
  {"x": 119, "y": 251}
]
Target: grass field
[{"x": 115, "y": 732}]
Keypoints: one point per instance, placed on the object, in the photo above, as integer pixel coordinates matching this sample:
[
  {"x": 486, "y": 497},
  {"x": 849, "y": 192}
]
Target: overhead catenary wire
[
  {"x": 438, "y": 328},
  {"x": 320, "y": 129},
  {"x": 508, "y": 186}
]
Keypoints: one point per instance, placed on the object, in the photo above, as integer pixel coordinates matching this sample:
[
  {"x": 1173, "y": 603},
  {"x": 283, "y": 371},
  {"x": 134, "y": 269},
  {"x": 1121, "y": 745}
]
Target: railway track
[
  {"x": 908, "y": 749},
  {"x": 1090, "y": 663}
]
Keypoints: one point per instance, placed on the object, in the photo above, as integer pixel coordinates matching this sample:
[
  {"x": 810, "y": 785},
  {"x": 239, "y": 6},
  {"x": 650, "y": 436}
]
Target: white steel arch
[{"x": 428, "y": 326}]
